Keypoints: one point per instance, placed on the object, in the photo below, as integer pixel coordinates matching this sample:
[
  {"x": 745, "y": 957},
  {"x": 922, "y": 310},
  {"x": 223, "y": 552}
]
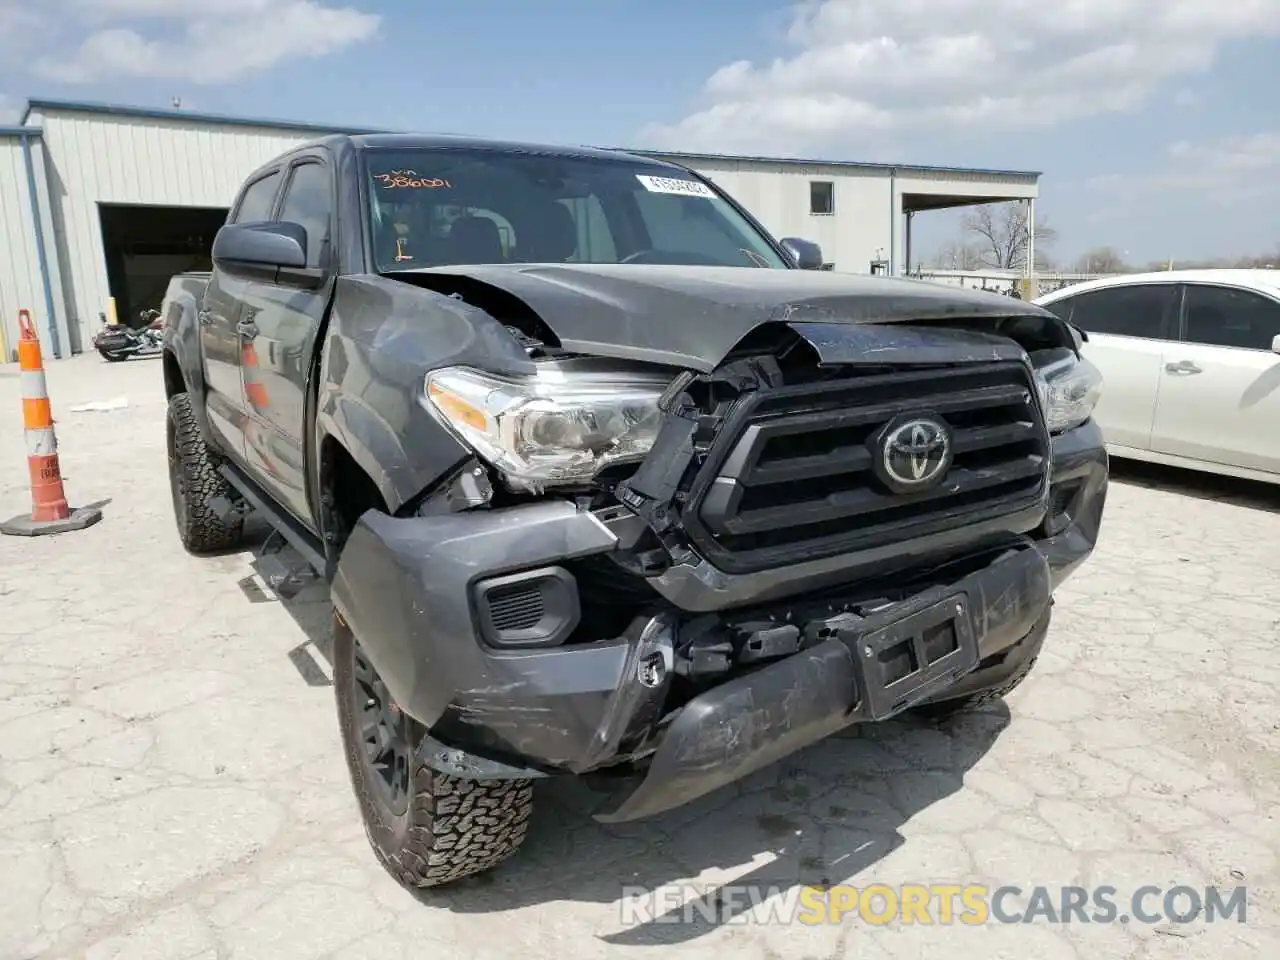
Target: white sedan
[{"x": 1190, "y": 361}]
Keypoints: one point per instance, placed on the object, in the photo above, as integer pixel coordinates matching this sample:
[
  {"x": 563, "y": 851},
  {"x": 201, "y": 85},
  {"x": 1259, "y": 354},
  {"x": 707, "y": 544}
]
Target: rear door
[
  {"x": 1220, "y": 395},
  {"x": 219, "y": 315},
  {"x": 1129, "y": 328}
]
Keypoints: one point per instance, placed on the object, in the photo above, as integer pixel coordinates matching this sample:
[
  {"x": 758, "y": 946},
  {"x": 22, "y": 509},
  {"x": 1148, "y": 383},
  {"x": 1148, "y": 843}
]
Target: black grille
[
  {"x": 517, "y": 607},
  {"x": 791, "y": 476}
]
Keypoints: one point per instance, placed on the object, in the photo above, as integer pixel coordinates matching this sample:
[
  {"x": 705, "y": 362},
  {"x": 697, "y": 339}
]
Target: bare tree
[
  {"x": 1102, "y": 260},
  {"x": 957, "y": 255},
  {"x": 1000, "y": 235},
  {"x": 1265, "y": 261}
]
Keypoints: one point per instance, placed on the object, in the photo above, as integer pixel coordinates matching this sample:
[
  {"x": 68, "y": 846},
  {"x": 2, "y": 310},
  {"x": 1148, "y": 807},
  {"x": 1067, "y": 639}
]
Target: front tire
[
  {"x": 426, "y": 828},
  {"x": 195, "y": 483},
  {"x": 1024, "y": 654}
]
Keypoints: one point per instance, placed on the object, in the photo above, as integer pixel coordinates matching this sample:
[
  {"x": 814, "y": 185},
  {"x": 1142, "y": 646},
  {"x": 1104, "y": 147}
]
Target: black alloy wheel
[{"x": 384, "y": 730}]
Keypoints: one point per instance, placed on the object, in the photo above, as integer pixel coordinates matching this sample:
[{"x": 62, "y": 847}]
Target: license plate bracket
[{"x": 912, "y": 657}]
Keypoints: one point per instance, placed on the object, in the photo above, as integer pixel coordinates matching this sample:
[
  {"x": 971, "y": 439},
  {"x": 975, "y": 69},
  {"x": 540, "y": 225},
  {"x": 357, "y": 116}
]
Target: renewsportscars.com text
[{"x": 936, "y": 903}]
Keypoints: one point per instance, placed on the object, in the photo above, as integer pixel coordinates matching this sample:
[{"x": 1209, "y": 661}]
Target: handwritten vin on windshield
[{"x": 409, "y": 180}]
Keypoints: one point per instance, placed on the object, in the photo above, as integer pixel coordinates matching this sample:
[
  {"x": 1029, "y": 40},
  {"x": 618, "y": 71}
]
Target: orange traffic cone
[{"x": 49, "y": 510}]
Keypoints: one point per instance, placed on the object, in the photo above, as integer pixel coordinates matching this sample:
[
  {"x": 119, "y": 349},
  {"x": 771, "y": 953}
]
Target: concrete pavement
[{"x": 171, "y": 784}]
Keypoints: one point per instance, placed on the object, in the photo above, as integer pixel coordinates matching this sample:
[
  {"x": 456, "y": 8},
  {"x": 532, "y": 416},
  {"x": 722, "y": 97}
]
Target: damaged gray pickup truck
[{"x": 608, "y": 482}]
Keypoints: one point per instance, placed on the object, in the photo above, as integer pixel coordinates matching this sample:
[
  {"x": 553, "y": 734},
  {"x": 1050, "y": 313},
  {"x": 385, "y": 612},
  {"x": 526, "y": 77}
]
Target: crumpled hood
[{"x": 693, "y": 316}]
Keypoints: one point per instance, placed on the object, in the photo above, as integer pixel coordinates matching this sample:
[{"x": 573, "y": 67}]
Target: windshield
[{"x": 437, "y": 207}]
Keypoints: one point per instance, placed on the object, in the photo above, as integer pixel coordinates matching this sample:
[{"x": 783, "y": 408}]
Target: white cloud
[
  {"x": 1234, "y": 168},
  {"x": 867, "y": 67},
  {"x": 10, "y": 110},
  {"x": 202, "y": 42}
]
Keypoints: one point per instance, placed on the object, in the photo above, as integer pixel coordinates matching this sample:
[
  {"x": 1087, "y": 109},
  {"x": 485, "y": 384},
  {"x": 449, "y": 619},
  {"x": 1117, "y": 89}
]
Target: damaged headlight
[
  {"x": 1070, "y": 388},
  {"x": 558, "y": 427}
]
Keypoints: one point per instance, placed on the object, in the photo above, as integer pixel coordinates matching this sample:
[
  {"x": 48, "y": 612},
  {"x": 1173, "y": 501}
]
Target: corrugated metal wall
[
  {"x": 19, "y": 262},
  {"x": 98, "y": 158}
]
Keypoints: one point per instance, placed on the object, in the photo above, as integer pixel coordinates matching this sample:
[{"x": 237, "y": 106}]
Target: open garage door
[{"x": 146, "y": 245}]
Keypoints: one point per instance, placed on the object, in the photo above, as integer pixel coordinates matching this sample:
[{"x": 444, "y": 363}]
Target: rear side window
[
  {"x": 256, "y": 203},
  {"x": 1226, "y": 317},
  {"x": 1141, "y": 310}
]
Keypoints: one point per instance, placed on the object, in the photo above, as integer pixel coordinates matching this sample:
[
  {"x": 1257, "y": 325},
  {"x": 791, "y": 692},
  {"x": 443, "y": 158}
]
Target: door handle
[
  {"x": 247, "y": 329},
  {"x": 1182, "y": 366},
  {"x": 205, "y": 317}
]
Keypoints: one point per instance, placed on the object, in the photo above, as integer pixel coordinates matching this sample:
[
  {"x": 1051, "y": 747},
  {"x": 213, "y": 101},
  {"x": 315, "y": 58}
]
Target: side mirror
[
  {"x": 806, "y": 254},
  {"x": 260, "y": 248}
]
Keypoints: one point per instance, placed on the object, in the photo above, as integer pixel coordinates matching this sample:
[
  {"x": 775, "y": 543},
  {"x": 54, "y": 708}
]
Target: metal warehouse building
[{"x": 100, "y": 202}]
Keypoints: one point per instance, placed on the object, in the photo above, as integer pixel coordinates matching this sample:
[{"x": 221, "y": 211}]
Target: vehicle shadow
[
  {"x": 1253, "y": 494},
  {"x": 819, "y": 818},
  {"x": 280, "y": 575}
]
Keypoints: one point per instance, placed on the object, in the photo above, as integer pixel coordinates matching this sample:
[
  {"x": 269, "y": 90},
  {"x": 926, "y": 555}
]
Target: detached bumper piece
[{"x": 868, "y": 668}]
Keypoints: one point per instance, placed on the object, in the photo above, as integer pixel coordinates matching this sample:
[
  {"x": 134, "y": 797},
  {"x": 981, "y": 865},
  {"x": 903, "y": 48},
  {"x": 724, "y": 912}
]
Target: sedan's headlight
[
  {"x": 558, "y": 427},
  {"x": 1069, "y": 390}
]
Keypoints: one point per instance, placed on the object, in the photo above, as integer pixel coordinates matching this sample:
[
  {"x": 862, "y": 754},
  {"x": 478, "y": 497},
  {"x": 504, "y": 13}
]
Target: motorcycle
[{"x": 119, "y": 341}]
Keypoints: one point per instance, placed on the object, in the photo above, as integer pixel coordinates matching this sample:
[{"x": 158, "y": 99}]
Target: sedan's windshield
[{"x": 436, "y": 207}]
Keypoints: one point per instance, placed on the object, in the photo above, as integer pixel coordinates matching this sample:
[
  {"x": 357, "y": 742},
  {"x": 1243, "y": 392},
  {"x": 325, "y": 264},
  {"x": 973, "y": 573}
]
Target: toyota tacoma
[{"x": 606, "y": 481}]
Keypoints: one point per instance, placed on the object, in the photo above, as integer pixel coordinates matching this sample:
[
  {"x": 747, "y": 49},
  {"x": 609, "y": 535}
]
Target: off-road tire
[
  {"x": 195, "y": 482},
  {"x": 943, "y": 709},
  {"x": 451, "y": 828}
]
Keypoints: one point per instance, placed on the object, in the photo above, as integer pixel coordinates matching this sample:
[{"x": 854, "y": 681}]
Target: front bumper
[{"x": 405, "y": 588}]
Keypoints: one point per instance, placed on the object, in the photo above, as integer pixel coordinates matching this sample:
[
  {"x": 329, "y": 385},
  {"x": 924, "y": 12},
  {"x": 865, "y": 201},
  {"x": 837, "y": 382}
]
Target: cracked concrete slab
[{"x": 171, "y": 786}]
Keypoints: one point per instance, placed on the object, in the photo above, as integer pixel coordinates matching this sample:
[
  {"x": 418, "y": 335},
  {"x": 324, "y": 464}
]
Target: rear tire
[
  {"x": 426, "y": 828},
  {"x": 195, "y": 483}
]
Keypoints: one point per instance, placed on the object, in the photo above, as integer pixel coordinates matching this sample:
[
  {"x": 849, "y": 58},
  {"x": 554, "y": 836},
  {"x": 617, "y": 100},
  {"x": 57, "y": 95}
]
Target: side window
[
  {"x": 1225, "y": 317},
  {"x": 1062, "y": 308},
  {"x": 255, "y": 205},
  {"x": 308, "y": 201},
  {"x": 1141, "y": 310}
]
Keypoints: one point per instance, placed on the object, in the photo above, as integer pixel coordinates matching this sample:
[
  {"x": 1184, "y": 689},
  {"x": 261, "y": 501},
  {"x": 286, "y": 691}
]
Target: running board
[{"x": 299, "y": 537}]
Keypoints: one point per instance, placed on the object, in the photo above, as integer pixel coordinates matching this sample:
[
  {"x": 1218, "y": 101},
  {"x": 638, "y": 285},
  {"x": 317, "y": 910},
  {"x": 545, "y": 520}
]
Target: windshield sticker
[
  {"x": 409, "y": 180},
  {"x": 684, "y": 188}
]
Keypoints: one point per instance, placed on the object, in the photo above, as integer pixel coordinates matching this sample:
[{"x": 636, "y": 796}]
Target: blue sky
[{"x": 1156, "y": 122}]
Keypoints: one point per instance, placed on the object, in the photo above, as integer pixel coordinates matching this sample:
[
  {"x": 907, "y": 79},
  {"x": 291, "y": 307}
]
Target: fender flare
[
  {"x": 366, "y": 438},
  {"x": 182, "y": 340}
]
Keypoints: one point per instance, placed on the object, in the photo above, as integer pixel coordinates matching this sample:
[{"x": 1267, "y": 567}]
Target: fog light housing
[{"x": 537, "y": 608}]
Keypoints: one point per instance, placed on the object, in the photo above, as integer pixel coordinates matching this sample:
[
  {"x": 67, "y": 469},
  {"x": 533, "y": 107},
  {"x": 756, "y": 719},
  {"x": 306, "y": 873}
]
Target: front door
[
  {"x": 1220, "y": 399},
  {"x": 278, "y": 330},
  {"x": 219, "y": 316},
  {"x": 1129, "y": 328}
]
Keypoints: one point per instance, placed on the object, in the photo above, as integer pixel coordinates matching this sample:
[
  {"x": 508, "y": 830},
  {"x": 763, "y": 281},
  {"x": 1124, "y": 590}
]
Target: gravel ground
[{"x": 171, "y": 783}]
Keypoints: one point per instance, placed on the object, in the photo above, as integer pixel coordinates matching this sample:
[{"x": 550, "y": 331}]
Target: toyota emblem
[{"x": 914, "y": 454}]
